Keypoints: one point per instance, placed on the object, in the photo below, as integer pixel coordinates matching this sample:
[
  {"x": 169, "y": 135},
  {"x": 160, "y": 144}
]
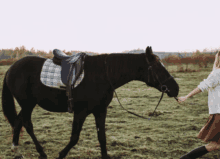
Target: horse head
[{"x": 157, "y": 76}]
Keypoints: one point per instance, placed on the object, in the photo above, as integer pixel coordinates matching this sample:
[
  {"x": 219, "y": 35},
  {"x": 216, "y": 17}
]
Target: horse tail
[{"x": 8, "y": 104}]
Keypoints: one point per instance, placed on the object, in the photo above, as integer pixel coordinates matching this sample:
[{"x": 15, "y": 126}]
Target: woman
[{"x": 211, "y": 131}]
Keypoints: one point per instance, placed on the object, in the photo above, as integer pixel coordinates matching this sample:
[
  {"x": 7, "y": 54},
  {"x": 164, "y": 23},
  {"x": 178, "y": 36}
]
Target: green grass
[{"x": 169, "y": 135}]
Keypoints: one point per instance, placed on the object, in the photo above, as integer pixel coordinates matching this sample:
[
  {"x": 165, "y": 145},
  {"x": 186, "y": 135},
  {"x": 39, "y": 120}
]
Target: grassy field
[{"x": 167, "y": 136}]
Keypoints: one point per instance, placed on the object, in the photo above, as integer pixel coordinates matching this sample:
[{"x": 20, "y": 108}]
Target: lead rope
[{"x": 120, "y": 102}]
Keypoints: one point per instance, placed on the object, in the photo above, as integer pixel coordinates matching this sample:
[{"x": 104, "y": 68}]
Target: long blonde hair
[{"x": 217, "y": 60}]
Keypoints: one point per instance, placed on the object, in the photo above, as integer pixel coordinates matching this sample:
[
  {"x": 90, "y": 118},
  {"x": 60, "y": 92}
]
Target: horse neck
[{"x": 122, "y": 68}]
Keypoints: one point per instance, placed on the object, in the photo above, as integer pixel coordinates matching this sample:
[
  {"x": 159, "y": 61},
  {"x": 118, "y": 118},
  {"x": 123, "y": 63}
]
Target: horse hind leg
[
  {"x": 29, "y": 128},
  {"x": 27, "y": 108},
  {"x": 16, "y": 132}
]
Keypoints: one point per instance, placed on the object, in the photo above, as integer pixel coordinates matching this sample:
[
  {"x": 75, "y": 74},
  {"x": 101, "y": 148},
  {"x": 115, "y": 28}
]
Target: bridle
[{"x": 164, "y": 88}]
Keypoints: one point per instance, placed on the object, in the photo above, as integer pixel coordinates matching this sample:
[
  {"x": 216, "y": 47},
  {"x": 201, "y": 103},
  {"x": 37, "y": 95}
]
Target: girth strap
[
  {"x": 79, "y": 65},
  {"x": 69, "y": 88}
]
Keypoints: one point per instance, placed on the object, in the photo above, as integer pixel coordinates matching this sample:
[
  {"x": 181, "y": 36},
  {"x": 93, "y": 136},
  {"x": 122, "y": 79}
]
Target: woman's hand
[{"x": 181, "y": 99}]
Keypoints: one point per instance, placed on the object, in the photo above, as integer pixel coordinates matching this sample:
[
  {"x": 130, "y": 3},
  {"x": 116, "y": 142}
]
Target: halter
[{"x": 163, "y": 87}]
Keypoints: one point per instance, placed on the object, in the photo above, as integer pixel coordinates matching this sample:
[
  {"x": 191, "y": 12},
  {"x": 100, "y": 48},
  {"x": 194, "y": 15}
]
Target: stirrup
[
  {"x": 70, "y": 105},
  {"x": 70, "y": 110}
]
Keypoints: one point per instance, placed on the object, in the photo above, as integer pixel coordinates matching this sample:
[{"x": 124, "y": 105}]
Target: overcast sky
[{"x": 110, "y": 26}]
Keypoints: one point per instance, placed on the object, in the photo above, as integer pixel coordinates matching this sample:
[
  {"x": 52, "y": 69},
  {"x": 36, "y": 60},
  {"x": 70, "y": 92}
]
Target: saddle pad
[{"x": 51, "y": 75}]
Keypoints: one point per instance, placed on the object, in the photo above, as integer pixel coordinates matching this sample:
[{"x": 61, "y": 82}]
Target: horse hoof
[
  {"x": 19, "y": 157},
  {"x": 106, "y": 157}
]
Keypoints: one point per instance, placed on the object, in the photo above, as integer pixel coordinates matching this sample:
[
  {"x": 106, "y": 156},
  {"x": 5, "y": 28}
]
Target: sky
[{"x": 110, "y": 26}]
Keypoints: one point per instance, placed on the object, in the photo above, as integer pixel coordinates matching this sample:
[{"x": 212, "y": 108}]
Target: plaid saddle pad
[{"x": 51, "y": 75}]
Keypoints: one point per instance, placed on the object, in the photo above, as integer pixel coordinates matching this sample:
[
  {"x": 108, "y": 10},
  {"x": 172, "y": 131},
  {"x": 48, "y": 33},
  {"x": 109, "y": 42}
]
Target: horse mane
[
  {"x": 119, "y": 63},
  {"x": 127, "y": 62},
  {"x": 116, "y": 63}
]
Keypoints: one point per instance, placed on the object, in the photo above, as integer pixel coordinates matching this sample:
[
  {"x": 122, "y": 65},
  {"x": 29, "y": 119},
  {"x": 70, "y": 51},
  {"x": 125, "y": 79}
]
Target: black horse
[{"x": 92, "y": 95}]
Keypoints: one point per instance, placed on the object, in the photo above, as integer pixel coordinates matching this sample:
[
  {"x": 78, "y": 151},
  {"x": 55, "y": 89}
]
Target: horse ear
[{"x": 148, "y": 50}]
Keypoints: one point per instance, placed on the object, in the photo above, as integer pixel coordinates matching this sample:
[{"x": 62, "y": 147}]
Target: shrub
[
  {"x": 7, "y": 61},
  {"x": 200, "y": 59}
]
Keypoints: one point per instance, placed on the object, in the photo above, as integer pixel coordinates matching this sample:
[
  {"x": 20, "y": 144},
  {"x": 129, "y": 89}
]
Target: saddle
[{"x": 71, "y": 66}]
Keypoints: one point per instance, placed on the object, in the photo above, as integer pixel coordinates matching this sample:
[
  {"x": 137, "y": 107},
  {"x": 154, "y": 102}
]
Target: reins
[{"x": 163, "y": 88}]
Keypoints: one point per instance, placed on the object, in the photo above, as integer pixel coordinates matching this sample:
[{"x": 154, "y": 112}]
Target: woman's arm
[
  {"x": 194, "y": 92},
  {"x": 211, "y": 82}
]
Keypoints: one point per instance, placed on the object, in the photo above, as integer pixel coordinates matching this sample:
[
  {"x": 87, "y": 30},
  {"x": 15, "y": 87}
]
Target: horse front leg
[
  {"x": 100, "y": 117},
  {"x": 76, "y": 129}
]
